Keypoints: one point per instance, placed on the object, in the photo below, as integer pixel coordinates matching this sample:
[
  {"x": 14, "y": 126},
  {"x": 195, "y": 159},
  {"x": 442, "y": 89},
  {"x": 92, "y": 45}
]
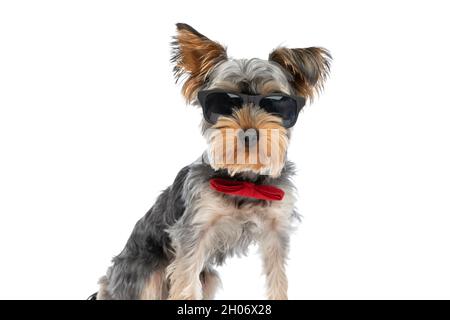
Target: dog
[{"x": 239, "y": 192}]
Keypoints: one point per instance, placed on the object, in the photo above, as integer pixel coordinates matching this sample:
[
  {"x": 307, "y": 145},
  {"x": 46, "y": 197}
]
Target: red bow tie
[{"x": 247, "y": 189}]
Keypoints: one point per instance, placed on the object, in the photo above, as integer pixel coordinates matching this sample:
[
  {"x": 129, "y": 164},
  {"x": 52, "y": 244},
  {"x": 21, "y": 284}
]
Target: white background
[{"x": 92, "y": 128}]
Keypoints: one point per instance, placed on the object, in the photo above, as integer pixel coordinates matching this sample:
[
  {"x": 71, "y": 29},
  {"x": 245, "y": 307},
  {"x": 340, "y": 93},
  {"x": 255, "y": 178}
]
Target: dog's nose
[
  {"x": 250, "y": 137},
  {"x": 251, "y": 141}
]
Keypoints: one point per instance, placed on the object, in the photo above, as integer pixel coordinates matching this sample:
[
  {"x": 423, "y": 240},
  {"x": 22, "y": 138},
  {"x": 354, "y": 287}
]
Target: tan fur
[
  {"x": 195, "y": 55},
  {"x": 204, "y": 226},
  {"x": 184, "y": 273},
  {"x": 308, "y": 67},
  {"x": 103, "y": 293},
  {"x": 270, "y": 87},
  {"x": 156, "y": 287},
  {"x": 221, "y": 225},
  {"x": 267, "y": 125},
  {"x": 210, "y": 283},
  {"x": 274, "y": 257}
]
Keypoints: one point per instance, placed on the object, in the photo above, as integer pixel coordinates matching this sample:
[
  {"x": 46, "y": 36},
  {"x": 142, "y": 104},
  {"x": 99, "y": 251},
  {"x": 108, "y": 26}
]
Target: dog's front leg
[
  {"x": 184, "y": 278},
  {"x": 190, "y": 259},
  {"x": 274, "y": 247}
]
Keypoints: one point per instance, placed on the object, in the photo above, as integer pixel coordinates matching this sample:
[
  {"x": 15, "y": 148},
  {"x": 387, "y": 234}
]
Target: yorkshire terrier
[{"x": 239, "y": 191}]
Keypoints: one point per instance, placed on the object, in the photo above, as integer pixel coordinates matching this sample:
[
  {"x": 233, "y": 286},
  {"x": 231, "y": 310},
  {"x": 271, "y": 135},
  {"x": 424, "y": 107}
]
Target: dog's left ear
[
  {"x": 309, "y": 68},
  {"x": 194, "y": 55}
]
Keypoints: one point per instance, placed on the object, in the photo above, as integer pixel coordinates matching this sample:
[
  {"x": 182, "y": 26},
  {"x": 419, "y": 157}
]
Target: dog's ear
[
  {"x": 309, "y": 67},
  {"x": 194, "y": 56}
]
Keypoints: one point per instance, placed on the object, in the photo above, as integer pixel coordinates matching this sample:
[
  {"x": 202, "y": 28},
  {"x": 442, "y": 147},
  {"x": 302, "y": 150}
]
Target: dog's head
[{"x": 249, "y": 105}]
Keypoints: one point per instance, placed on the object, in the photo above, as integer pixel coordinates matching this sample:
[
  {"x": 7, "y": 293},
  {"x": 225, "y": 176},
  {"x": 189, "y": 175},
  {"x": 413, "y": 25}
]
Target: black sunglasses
[{"x": 216, "y": 103}]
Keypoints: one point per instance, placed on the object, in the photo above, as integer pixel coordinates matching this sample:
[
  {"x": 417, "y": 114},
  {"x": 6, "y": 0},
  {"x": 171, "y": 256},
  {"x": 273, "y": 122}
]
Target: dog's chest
[{"x": 234, "y": 218}]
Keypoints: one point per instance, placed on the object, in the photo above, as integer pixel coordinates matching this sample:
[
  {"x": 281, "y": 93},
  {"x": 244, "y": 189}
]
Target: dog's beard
[{"x": 250, "y": 140}]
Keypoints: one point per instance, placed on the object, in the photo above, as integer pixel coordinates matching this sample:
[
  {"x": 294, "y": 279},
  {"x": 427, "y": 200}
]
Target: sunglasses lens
[
  {"x": 285, "y": 107},
  {"x": 220, "y": 104}
]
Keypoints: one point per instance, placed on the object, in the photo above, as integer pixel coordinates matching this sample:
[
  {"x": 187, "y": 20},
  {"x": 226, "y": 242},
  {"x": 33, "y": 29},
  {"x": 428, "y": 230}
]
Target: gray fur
[
  {"x": 186, "y": 232},
  {"x": 167, "y": 227},
  {"x": 249, "y": 75},
  {"x": 150, "y": 248}
]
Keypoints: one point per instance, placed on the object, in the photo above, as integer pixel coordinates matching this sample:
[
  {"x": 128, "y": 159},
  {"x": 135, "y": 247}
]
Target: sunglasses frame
[{"x": 254, "y": 99}]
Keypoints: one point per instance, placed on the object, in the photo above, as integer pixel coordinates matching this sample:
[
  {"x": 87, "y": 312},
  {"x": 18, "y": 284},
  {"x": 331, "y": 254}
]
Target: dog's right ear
[{"x": 194, "y": 56}]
